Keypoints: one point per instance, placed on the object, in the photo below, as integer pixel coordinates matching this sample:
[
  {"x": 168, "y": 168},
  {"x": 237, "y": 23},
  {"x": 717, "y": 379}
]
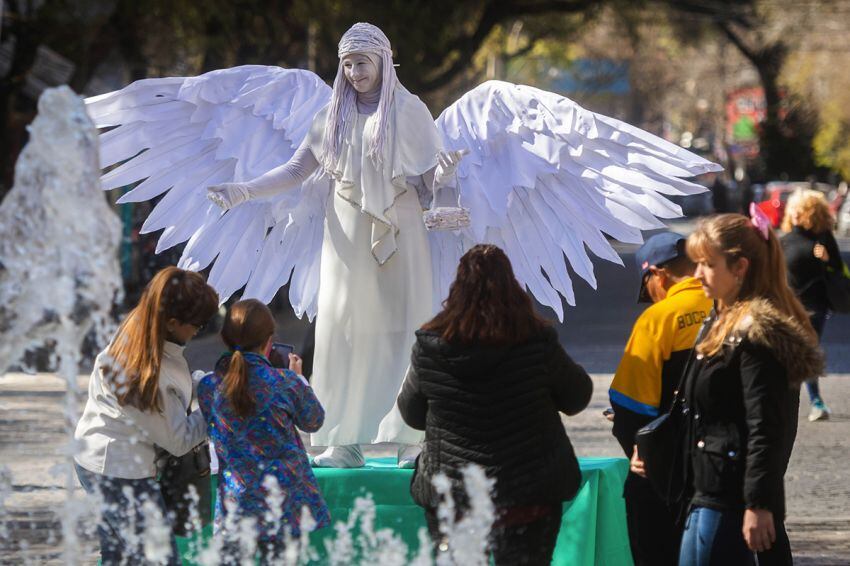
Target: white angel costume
[
  {"x": 375, "y": 272},
  {"x": 341, "y": 221}
]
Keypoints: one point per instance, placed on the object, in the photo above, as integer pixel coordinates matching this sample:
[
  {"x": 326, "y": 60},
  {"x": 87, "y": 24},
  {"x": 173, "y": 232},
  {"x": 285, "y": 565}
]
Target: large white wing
[
  {"x": 185, "y": 134},
  {"x": 546, "y": 179}
]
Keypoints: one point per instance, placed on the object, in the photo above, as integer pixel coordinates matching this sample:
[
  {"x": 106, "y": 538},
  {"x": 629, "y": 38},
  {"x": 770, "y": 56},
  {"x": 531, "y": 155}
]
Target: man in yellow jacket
[{"x": 655, "y": 356}]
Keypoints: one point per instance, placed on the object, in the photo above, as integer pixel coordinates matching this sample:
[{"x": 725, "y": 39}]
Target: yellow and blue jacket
[{"x": 655, "y": 356}]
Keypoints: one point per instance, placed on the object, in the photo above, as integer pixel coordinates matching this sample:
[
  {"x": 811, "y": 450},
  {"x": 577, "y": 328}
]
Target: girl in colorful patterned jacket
[{"x": 252, "y": 410}]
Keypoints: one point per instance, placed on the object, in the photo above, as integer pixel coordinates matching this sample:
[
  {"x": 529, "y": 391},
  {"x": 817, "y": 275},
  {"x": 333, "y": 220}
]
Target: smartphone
[{"x": 279, "y": 356}]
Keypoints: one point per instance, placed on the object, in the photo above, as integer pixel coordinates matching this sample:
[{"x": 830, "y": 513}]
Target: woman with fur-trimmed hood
[{"x": 742, "y": 395}]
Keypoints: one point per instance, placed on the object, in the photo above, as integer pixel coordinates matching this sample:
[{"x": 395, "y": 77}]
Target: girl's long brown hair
[
  {"x": 248, "y": 325},
  {"x": 136, "y": 351},
  {"x": 486, "y": 304},
  {"x": 733, "y": 236}
]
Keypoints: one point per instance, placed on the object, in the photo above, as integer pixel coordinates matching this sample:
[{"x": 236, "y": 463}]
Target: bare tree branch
[
  {"x": 465, "y": 47},
  {"x": 738, "y": 12},
  {"x": 737, "y": 41}
]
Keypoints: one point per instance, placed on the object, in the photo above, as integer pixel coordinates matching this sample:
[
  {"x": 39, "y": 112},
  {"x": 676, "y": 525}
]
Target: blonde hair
[
  {"x": 137, "y": 349},
  {"x": 812, "y": 210},
  {"x": 734, "y": 237}
]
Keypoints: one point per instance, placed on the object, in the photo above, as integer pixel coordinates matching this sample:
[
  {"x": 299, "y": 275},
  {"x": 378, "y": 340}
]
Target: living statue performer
[
  {"x": 323, "y": 188},
  {"x": 375, "y": 265}
]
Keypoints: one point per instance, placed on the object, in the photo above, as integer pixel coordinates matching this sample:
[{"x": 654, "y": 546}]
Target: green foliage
[
  {"x": 818, "y": 77},
  {"x": 832, "y": 141}
]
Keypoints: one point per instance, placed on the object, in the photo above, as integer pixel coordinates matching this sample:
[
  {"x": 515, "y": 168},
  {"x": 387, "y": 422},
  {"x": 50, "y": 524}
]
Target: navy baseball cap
[{"x": 656, "y": 251}]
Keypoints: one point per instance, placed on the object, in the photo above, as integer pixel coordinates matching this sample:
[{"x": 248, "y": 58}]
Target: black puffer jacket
[
  {"x": 742, "y": 411},
  {"x": 806, "y": 273},
  {"x": 497, "y": 408}
]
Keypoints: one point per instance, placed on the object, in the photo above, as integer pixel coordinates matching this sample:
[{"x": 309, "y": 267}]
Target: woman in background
[{"x": 811, "y": 249}]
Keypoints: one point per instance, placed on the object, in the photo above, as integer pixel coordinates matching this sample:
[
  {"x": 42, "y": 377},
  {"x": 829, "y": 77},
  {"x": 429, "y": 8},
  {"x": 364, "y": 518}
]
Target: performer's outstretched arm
[{"x": 281, "y": 178}]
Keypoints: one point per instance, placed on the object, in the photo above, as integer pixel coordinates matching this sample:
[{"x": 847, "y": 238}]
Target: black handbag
[
  {"x": 177, "y": 473},
  {"x": 660, "y": 443},
  {"x": 838, "y": 290}
]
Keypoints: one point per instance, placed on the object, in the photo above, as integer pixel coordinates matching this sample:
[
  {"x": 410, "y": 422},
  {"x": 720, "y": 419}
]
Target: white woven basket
[{"x": 446, "y": 217}]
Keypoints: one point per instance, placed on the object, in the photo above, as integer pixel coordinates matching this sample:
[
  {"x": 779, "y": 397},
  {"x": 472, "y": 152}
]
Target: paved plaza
[
  {"x": 32, "y": 438},
  {"x": 33, "y": 435}
]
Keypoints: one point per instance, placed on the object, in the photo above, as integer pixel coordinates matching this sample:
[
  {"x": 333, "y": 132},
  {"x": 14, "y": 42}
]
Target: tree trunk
[{"x": 785, "y": 140}]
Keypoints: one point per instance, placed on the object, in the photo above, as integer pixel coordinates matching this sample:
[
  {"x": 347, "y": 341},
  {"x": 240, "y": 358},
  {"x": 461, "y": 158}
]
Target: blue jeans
[
  {"x": 121, "y": 528},
  {"x": 714, "y": 538},
  {"x": 818, "y": 320}
]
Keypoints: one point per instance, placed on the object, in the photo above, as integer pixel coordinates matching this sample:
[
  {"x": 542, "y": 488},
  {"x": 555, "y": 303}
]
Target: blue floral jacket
[{"x": 250, "y": 449}]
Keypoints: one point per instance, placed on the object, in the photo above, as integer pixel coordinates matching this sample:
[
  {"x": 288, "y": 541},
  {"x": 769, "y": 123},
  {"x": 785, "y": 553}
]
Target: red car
[{"x": 776, "y": 194}]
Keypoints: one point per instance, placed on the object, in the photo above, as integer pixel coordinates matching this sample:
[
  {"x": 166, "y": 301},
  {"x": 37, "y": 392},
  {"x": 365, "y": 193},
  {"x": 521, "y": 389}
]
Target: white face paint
[{"x": 361, "y": 72}]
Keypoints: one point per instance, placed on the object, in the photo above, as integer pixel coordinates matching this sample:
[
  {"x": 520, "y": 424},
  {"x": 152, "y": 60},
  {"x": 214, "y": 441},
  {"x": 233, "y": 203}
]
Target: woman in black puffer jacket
[{"x": 487, "y": 384}]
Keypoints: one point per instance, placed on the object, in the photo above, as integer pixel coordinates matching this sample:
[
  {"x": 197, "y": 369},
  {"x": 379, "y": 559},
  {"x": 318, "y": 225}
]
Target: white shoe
[
  {"x": 407, "y": 454},
  {"x": 348, "y": 456},
  {"x": 819, "y": 412}
]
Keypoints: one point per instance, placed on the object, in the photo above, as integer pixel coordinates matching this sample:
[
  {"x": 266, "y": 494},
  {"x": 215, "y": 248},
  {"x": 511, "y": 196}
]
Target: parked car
[{"x": 773, "y": 201}]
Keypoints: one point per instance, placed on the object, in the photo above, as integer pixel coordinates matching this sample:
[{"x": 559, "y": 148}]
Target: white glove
[
  {"x": 447, "y": 163},
  {"x": 228, "y": 195}
]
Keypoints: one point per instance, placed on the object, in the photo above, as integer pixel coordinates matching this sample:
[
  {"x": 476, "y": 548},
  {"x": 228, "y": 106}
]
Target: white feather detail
[
  {"x": 180, "y": 135},
  {"x": 547, "y": 180}
]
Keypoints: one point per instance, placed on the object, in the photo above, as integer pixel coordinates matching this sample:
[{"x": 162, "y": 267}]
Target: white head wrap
[{"x": 367, "y": 39}]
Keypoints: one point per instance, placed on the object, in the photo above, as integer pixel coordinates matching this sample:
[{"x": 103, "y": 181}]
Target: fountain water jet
[{"x": 59, "y": 273}]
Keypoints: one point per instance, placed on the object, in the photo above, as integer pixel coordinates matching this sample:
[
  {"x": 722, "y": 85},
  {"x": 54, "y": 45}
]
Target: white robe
[{"x": 376, "y": 284}]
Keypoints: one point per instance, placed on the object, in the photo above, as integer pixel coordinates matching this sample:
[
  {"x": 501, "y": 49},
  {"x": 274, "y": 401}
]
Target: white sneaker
[
  {"x": 348, "y": 456},
  {"x": 407, "y": 454},
  {"x": 819, "y": 412}
]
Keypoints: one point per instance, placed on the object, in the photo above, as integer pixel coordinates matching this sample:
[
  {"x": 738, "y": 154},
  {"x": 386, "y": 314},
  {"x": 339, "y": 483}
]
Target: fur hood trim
[{"x": 795, "y": 349}]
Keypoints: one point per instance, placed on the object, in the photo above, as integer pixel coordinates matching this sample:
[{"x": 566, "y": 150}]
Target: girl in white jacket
[{"x": 139, "y": 394}]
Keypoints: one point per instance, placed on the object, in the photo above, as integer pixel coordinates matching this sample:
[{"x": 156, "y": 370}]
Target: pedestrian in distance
[
  {"x": 487, "y": 383},
  {"x": 138, "y": 396},
  {"x": 810, "y": 250},
  {"x": 661, "y": 341}
]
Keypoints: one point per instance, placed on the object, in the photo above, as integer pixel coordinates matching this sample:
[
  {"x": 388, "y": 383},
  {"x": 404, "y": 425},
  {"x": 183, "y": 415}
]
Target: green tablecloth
[{"x": 593, "y": 530}]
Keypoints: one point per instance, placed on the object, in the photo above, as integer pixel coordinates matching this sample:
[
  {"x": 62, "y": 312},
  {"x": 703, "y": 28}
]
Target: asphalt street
[{"x": 593, "y": 332}]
